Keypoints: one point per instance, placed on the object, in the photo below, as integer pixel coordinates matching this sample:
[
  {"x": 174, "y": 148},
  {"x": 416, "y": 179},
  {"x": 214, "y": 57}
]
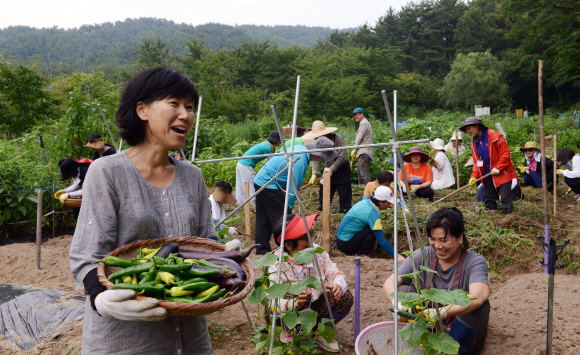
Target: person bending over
[
  {"x": 361, "y": 230},
  {"x": 457, "y": 268},
  {"x": 339, "y": 296},
  {"x": 72, "y": 169}
]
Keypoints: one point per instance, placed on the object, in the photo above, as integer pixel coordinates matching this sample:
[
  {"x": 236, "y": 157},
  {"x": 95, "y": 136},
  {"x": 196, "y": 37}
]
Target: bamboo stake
[
  {"x": 456, "y": 191},
  {"x": 457, "y": 157},
  {"x": 326, "y": 210},
  {"x": 38, "y": 227},
  {"x": 248, "y": 222},
  {"x": 309, "y": 184},
  {"x": 555, "y": 183}
]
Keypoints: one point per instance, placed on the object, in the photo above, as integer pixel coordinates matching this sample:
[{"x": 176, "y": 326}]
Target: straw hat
[
  {"x": 470, "y": 162},
  {"x": 453, "y": 137},
  {"x": 318, "y": 129},
  {"x": 529, "y": 146},
  {"x": 225, "y": 198},
  {"x": 407, "y": 157},
  {"x": 438, "y": 144}
]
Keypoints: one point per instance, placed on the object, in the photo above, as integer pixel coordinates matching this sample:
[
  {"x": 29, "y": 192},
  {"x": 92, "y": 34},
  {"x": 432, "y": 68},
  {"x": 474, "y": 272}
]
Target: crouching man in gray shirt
[{"x": 457, "y": 268}]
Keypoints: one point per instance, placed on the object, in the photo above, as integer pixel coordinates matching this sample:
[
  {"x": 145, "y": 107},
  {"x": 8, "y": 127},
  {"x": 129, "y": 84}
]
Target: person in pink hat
[{"x": 419, "y": 174}]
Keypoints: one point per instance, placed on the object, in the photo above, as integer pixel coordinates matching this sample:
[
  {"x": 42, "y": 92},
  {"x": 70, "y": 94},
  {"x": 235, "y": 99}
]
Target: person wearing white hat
[
  {"x": 361, "y": 230},
  {"x": 442, "y": 171},
  {"x": 341, "y": 175},
  {"x": 455, "y": 144}
]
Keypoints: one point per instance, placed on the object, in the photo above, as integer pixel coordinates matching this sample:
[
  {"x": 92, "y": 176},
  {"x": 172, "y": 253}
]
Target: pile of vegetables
[{"x": 185, "y": 276}]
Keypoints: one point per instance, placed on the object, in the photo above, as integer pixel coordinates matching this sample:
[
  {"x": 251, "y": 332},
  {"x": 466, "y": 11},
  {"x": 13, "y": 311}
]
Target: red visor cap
[{"x": 295, "y": 229}]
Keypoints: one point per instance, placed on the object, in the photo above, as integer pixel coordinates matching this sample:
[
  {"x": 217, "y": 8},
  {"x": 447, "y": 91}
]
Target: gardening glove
[
  {"x": 413, "y": 188},
  {"x": 121, "y": 305},
  {"x": 472, "y": 181},
  {"x": 313, "y": 180},
  {"x": 494, "y": 171},
  {"x": 58, "y": 193},
  {"x": 63, "y": 197},
  {"x": 233, "y": 245},
  {"x": 232, "y": 231},
  {"x": 432, "y": 312},
  {"x": 353, "y": 153},
  {"x": 560, "y": 172}
]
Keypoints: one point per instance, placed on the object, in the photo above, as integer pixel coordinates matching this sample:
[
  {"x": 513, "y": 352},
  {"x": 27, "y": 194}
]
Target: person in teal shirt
[
  {"x": 361, "y": 229},
  {"x": 270, "y": 202},
  {"x": 245, "y": 168}
]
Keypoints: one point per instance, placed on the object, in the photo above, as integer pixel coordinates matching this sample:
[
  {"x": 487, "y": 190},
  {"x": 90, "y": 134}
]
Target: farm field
[{"x": 518, "y": 287}]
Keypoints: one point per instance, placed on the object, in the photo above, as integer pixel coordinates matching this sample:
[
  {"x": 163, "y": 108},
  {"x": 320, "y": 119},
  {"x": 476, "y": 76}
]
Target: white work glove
[
  {"x": 321, "y": 181},
  {"x": 232, "y": 231},
  {"x": 432, "y": 312},
  {"x": 327, "y": 169},
  {"x": 121, "y": 305},
  {"x": 400, "y": 307},
  {"x": 233, "y": 245},
  {"x": 560, "y": 172},
  {"x": 312, "y": 179},
  {"x": 353, "y": 153},
  {"x": 494, "y": 171},
  {"x": 63, "y": 197},
  {"x": 407, "y": 211}
]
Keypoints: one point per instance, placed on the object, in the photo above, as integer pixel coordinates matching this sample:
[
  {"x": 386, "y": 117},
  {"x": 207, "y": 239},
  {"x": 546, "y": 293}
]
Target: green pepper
[
  {"x": 118, "y": 281},
  {"x": 217, "y": 296},
  {"x": 202, "y": 262},
  {"x": 127, "y": 279},
  {"x": 177, "y": 292},
  {"x": 159, "y": 260},
  {"x": 137, "y": 269},
  {"x": 193, "y": 281},
  {"x": 180, "y": 299},
  {"x": 140, "y": 254},
  {"x": 155, "y": 282},
  {"x": 147, "y": 251},
  {"x": 115, "y": 261},
  {"x": 208, "y": 298},
  {"x": 174, "y": 268},
  {"x": 149, "y": 276},
  {"x": 179, "y": 261},
  {"x": 142, "y": 275},
  {"x": 166, "y": 277},
  {"x": 202, "y": 273},
  {"x": 141, "y": 289},
  {"x": 198, "y": 287}
]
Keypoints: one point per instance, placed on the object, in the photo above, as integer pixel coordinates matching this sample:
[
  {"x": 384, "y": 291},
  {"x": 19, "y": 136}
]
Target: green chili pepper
[
  {"x": 179, "y": 261},
  {"x": 199, "y": 287},
  {"x": 180, "y": 299},
  {"x": 142, "y": 275},
  {"x": 158, "y": 260},
  {"x": 155, "y": 282},
  {"x": 118, "y": 281},
  {"x": 147, "y": 251},
  {"x": 127, "y": 279},
  {"x": 174, "y": 268},
  {"x": 217, "y": 296},
  {"x": 193, "y": 281},
  {"x": 140, "y": 254},
  {"x": 202, "y": 273},
  {"x": 178, "y": 278},
  {"x": 202, "y": 262},
  {"x": 141, "y": 289},
  {"x": 137, "y": 269},
  {"x": 115, "y": 261},
  {"x": 149, "y": 276},
  {"x": 166, "y": 277},
  {"x": 177, "y": 292}
]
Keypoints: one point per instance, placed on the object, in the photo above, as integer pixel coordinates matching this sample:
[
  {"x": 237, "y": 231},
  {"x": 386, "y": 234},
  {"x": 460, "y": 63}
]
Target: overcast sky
[{"x": 68, "y": 13}]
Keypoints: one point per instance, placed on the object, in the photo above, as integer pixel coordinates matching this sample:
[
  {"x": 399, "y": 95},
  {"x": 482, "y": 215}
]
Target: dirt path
[{"x": 517, "y": 323}]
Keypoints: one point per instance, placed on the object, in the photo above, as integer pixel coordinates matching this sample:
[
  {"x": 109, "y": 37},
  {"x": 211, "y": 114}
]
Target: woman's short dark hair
[
  {"x": 93, "y": 136},
  {"x": 564, "y": 155},
  {"x": 385, "y": 177},
  {"x": 451, "y": 220},
  {"x": 69, "y": 168},
  {"x": 224, "y": 185},
  {"x": 147, "y": 86},
  {"x": 375, "y": 201},
  {"x": 278, "y": 229}
]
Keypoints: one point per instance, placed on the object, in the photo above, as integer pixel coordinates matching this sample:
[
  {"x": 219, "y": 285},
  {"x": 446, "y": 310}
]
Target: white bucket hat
[
  {"x": 384, "y": 193},
  {"x": 453, "y": 137},
  {"x": 438, "y": 144},
  {"x": 318, "y": 129}
]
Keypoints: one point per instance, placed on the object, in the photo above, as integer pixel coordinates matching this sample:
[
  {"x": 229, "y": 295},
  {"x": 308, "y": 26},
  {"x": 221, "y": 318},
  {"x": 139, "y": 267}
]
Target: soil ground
[{"x": 518, "y": 286}]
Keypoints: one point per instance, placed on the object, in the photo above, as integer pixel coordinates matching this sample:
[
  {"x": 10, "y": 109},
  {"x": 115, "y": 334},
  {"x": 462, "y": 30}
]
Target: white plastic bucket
[{"x": 382, "y": 339}]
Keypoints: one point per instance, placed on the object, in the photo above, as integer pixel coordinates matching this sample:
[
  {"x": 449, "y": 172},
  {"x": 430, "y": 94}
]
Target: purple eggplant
[
  {"x": 231, "y": 284},
  {"x": 238, "y": 255},
  {"x": 234, "y": 266},
  {"x": 167, "y": 249}
]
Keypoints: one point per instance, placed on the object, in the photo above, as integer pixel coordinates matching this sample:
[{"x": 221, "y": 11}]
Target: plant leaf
[
  {"x": 444, "y": 343},
  {"x": 446, "y": 297},
  {"x": 278, "y": 290},
  {"x": 412, "y": 332},
  {"x": 266, "y": 260},
  {"x": 307, "y": 319},
  {"x": 425, "y": 268},
  {"x": 406, "y": 297},
  {"x": 257, "y": 296},
  {"x": 291, "y": 319},
  {"x": 326, "y": 331}
]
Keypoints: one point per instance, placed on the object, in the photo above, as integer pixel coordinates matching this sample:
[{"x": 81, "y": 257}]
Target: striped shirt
[
  {"x": 120, "y": 207},
  {"x": 364, "y": 135}
]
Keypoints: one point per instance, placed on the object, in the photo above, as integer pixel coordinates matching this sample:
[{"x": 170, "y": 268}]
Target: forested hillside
[{"x": 109, "y": 46}]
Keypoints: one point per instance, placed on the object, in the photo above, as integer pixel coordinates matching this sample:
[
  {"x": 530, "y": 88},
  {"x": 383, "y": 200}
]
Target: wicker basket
[
  {"x": 129, "y": 251},
  {"x": 73, "y": 202}
]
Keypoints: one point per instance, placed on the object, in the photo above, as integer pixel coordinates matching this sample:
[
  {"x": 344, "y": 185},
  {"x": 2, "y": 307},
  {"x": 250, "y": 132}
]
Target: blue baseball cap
[{"x": 357, "y": 110}]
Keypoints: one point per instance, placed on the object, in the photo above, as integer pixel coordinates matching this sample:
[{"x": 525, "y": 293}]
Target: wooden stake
[
  {"x": 326, "y": 210},
  {"x": 38, "y": 227},
  {"x": 457, "y": 157},
  {"x": 555, "y": 183},
  {"x": 456, "y": 191},
  {"x": 247, "y": 212}
]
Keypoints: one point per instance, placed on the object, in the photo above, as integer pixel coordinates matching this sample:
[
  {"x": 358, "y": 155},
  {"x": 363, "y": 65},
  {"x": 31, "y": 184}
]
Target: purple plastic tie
[{"x": 547, "y": 240}]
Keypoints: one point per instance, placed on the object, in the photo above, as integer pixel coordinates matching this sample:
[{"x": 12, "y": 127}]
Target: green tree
[
  {"x": 155, "y": 51},
  {"x": 23, "y": 98},
  {"x": 481, "y": 28},
  {"x": 474, "y": 79}
]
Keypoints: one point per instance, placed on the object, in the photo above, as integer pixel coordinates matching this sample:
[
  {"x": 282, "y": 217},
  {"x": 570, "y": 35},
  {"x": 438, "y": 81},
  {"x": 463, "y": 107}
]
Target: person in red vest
[{"x": 491, "y": 154}]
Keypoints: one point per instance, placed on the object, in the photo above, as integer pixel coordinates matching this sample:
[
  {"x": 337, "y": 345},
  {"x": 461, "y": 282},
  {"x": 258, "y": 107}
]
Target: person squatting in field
[
  {"x": 419, "y": 174},
  {"x": 339, "y": 167},
  {"x": 340, "y": 298},
  {"x": 571, "y": 177},
  {"x": 491, "y": 154},
  {"x": 532, "y": 169},
  {"x": 361, "y": 229},
  {"x": 270, "y": 202},
  {"x": 456, "y": 268}
]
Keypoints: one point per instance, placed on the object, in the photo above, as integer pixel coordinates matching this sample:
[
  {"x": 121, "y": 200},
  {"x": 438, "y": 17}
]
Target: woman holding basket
[{"x": 141, "y": 193}]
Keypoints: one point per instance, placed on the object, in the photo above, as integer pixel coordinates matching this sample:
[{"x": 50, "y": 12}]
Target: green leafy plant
[
  {"x": 302, "y": 324},
  {"x": 424, "y": 331}
]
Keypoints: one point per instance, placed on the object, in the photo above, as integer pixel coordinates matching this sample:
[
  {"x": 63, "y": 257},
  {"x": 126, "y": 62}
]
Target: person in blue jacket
[
  {"x": 270, "y": 202},
  {"x": 245, "y": 168},
  {"x": 361, "y": 229}
]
